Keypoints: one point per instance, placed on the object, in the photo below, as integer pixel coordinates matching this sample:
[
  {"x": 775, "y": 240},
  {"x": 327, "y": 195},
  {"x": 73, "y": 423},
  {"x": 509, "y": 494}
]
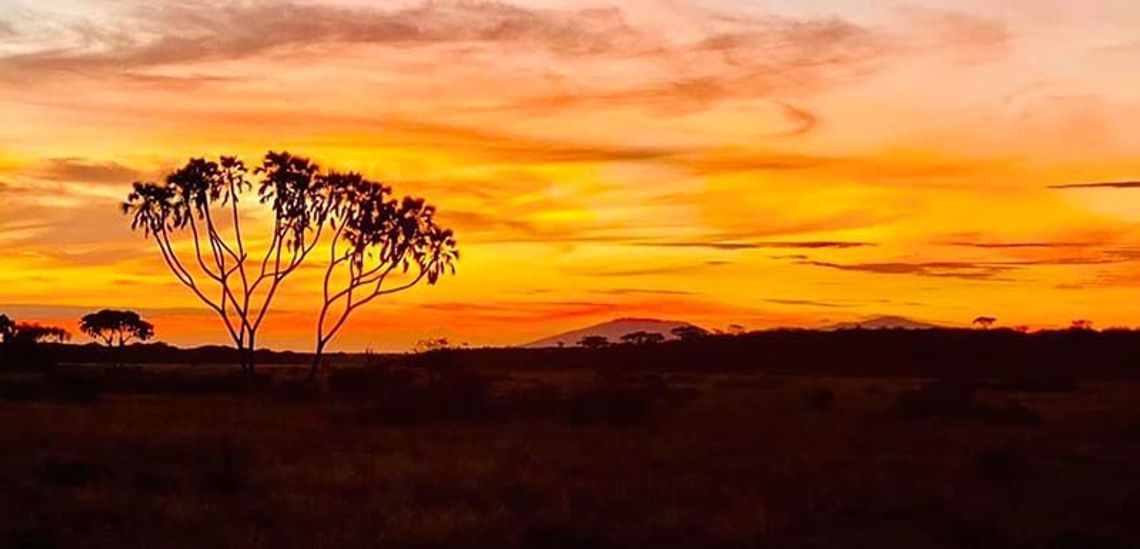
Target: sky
[{"x": 762, "y": 163}]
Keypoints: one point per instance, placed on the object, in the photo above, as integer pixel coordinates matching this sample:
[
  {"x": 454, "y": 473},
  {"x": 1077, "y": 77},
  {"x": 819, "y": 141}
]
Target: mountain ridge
[
  {"x": 882, "y": 322},
  {"x": 611, "y": 329}
]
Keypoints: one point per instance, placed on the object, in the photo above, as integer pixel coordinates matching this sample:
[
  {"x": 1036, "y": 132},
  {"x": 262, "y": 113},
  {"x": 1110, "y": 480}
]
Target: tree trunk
[
  {"x": 243, "y": 358},
  {"x": 318, "y": 354},
  {"x": 250, "y": 357}
]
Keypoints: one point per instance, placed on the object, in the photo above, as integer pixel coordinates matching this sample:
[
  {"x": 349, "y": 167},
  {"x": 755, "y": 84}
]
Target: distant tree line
[
  {"x": 12, "y": 332},
  {"x": 20, "y": 343},
  {"x": 684, "y": 333}
]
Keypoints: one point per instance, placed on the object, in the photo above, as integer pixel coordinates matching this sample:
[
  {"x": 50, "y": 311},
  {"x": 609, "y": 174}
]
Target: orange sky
[{"x": 754, "y": 162}]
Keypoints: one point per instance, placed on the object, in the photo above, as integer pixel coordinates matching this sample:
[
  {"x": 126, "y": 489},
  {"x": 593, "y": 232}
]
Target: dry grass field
[{"x": 476, "y": 456}]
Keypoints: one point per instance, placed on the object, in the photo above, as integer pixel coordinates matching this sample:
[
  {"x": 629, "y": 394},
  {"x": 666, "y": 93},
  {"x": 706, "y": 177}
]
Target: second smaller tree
[
  {"x": 380, "y": 246},
  {"x": 116, "y": 327}
]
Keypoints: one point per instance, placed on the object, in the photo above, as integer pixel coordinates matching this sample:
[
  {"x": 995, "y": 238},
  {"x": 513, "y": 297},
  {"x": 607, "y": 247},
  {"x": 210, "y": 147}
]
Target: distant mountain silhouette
[
  {"x": 884, "y": 322},
  {"x": 612, "y": 330}
]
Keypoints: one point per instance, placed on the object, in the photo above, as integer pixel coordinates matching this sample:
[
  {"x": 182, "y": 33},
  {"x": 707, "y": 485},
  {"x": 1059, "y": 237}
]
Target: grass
[{"x": 564, "y": 457}]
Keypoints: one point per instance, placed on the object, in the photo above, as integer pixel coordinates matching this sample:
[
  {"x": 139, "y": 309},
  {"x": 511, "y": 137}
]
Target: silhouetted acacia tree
[
  {"x": 643, "y": 338},
  {"x": 432, "y": 344},
  {"x": 7, "y": 329},
  {"x": 984, "y": 322},
  {"x": 20, "y": 347},
  {"x": 380, "y": 246},
  {"x": 37, "y": 333},
  {"x": 116, "y": 327},
  {"x": 687, "y": 333},
  {"x": 1081, "y": 324},
  {"x": 594, "y": 342},
  {"x": 203, "y": 200}
]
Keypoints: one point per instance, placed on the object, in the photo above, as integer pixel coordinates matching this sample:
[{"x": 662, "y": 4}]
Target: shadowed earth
[{"x": 939, "y": 439}]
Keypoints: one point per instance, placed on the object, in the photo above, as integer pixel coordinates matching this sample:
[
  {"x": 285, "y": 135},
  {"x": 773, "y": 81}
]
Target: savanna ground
[{"x": 437, "y": 452}]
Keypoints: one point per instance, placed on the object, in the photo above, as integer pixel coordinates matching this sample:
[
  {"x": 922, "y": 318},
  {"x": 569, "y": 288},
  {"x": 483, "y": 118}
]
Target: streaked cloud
[
  {"x": 166, "y": 33},
  {"x": 78, "y": 170},
  {"x": 716, "y": 245},
  {"x": 936, "y": 269},
  {"x": 662, "y": 270},
  {"x": 1101, "y": 185},
  {"x": 806, "y": 303},
  {"x": 1020, "y": 245}
]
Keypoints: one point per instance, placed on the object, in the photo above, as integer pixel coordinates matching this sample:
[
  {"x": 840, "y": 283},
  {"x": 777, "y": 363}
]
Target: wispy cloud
[
  {"x": 643, "y": 291},
  {"x": 721, "y": 245},
  {"x": 177, "y": 32},
  {"x": 1020, "y": 245},
  {"x": 36, "y": 311},
  {"x": 503, "y": 147},
  {"x": 652, "y": 271},
  {"x": 1099, "y": 185},
  {"x": 79, "y": 170},
  {"x": 802, "y": 120},
  {"x": 938, "y": 269},
  {"x": 734, "y": 57},
  {"x": 806, "y": 303},
  {"x": 970, "y": 270},
  {"x": 964, "y": 33}
]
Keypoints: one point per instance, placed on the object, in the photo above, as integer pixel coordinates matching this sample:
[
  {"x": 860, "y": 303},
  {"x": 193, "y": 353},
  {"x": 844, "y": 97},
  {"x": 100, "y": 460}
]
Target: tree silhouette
[
  {"x": 204, "y": 201},
  {"x": 736, "y": 329},
  {"x": 594, "y": 342},
  {"x": 116, "y": 327},
  {"x": 984, "y": 322},
  {"x": 20, "y": 344},
  {"x": 642, "y": 338},
  {"x": 689, "y": 332},
  {"x": 380, "y": 246},
  {"x": 431, "y": 344},
  {"x": 1081, "y": 325},
  {"x": 7, "y": 329},
  {"x": 36, "y": 333}
]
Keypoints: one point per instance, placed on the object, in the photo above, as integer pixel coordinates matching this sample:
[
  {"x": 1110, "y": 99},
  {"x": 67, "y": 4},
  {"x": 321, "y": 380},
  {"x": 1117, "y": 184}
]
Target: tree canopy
[
  {"x": 7, "y": 328},
  {"x": 378, "y": 245},
  {"x": 689, "y": 332},
  {"x": 594, "y": 342},
  {"x": 37, "y": 333},
  {"x": 642, "y": 338},
  {"x": 116, "y": 327},
  {"x": 203, "y": 201}
]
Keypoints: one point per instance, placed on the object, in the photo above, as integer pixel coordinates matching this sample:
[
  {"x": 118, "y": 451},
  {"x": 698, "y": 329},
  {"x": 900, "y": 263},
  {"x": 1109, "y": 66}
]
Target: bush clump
[
  {"x": 819, "y": 399},
  {"x": 456, "y": 394},
  {"x": 959, "y": 401}
]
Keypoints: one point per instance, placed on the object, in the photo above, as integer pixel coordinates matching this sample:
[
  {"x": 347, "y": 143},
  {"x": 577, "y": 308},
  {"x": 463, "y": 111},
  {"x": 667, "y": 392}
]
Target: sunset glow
[{"x": 763, "y": 163}]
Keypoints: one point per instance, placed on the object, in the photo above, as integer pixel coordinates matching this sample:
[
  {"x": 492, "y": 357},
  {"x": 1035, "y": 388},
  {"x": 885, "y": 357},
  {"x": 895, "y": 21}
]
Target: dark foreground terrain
[{"x": 795, "y": 440}]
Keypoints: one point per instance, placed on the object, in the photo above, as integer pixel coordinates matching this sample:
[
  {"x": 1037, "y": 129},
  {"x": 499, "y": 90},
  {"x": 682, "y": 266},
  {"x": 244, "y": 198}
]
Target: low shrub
[
  {"x": 1037, "y": 383},
  {"x": 22, "y": 356},
  {"x": 22, "y": 389},
  {"x": 819, "y": 399},
  {"x": 1002, "y": 465},
  {"x": 450, "y": 394},
  {"x": 959, "y": 401},
  {"x": 369, "y": 379},
  {"x": 74, "y": 473}
]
